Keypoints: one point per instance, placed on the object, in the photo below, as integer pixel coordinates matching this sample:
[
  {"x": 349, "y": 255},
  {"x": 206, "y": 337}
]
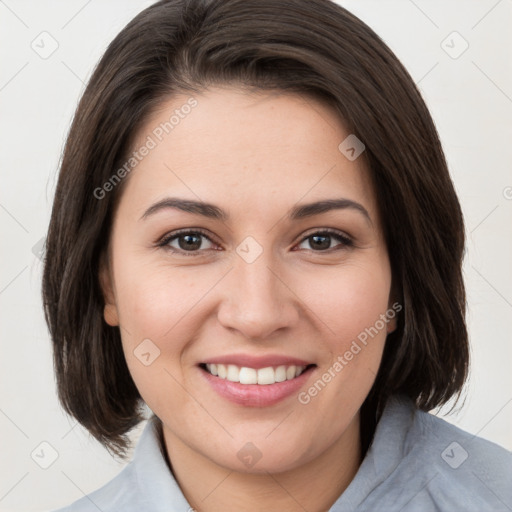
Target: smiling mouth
[{"x": 261, "y": 376}]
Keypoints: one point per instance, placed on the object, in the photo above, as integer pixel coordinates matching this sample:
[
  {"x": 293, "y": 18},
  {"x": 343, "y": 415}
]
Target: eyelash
[{"x": 346, "y": 242}]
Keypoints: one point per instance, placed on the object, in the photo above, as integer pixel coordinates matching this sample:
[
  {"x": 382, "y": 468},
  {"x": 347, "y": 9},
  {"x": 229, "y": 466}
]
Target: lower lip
[{"x": 256, "y": 395}]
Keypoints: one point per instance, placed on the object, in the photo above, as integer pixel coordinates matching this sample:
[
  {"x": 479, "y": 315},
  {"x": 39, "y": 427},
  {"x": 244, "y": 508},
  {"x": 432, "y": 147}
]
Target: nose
[{"x": 257, "y": 301}]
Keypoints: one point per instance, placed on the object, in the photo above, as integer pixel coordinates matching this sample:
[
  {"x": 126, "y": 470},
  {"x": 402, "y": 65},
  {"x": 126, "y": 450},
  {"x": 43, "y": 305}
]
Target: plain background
[{"x": 469, "y": 94}]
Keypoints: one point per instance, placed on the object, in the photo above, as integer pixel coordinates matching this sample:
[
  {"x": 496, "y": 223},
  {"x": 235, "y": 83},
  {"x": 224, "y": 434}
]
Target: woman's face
[{"x": 225, "y": 253}]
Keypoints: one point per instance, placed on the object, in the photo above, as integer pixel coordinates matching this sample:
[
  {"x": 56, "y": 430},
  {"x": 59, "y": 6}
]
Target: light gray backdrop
[{"x": 458, "y": 52}]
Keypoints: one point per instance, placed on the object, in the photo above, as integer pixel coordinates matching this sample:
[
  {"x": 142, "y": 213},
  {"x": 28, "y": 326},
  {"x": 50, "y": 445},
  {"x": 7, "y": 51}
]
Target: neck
[{"x": 314, "y": 486}]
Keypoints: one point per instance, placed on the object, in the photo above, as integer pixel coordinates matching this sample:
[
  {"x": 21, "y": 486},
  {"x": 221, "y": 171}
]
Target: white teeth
[
  {"x": 248, "y": 376},
  {"x": 262, "y": 376},
  {"x": 222, "y": 372},
  {"x": 266, "y": 376},
  {"x": 280, "y": 373},
  {"x": 233, "y": 373}
]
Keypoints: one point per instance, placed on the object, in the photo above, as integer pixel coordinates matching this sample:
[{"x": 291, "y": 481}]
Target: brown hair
[{"x": 311, "y": 47}]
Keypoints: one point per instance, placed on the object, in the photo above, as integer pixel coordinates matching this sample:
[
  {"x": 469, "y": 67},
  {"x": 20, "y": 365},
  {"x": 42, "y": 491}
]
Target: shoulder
[
  {"x": 120, "y": 493},
  {"x": 146, "y": 483},
  {"x": 461, "y": 457},
  {"x": 451, "y": 468},
  {"x": 419, "y": 462},
  {"x": 123, "y": 492}
]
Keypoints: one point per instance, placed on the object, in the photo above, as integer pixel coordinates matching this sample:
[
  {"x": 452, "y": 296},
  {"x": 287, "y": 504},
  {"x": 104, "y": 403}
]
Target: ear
[
  {"x": 394, "y": 307},
  {"x": 110, "y": 312},
  {"x": 391, "y": 322}
]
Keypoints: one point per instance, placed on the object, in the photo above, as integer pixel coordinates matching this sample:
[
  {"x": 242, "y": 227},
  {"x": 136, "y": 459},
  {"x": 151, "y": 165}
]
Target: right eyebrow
[{"x": 198, "y": 207}]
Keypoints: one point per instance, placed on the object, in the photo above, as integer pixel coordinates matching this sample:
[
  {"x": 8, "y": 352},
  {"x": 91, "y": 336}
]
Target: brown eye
[
  {"x": 189, "y": 242},
  {"x": 186, "y": 242},
  {"x": 324, "y": 240}
]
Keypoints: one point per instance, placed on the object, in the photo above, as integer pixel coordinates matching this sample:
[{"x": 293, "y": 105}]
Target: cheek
[
  {"x": 154, "y": 305},
  {"x": 349, "y": 305},
  {"x": 351, "y": 300},
  {"x": 152, "y": 299}
]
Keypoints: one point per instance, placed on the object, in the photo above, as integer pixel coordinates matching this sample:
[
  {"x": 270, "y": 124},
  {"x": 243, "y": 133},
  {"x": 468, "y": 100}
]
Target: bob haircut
[{"x": 311, "y": 47}]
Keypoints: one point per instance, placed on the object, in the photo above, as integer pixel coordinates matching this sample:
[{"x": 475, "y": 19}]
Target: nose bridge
[
  {"x": 252, "y": 266},
  {"x": 256, "y": 301},
  {"x": 256, "y": 282}
]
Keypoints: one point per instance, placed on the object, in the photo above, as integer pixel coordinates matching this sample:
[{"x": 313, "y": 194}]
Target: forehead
[{"x": 229, "y": 145}]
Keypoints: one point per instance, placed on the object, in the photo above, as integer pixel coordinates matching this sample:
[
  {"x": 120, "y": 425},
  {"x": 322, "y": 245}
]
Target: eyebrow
[{"x": 214, "y": 212}]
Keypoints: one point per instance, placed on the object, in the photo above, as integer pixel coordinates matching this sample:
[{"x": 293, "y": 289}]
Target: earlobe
[
  {"x": 110, "y": 313},
  {"x": 394, "y": 308},
  {"x": 391, "y": 327},
  {"x": 392, "y": 314}
]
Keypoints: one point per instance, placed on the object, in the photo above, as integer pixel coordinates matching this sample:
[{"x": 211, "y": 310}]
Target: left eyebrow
[
  {"x": 308, "y": 210},
  {"x": 214, "y": 212}
]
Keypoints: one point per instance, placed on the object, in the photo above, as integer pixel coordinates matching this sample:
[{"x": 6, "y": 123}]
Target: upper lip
[{"x": 256, "y": 362}]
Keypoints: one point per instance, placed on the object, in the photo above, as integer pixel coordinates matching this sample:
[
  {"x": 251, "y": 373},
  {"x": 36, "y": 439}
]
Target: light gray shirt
[{"x": 417, "y": 462}]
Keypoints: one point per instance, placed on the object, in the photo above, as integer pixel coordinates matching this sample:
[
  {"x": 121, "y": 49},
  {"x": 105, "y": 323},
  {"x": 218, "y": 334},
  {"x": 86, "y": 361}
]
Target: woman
[{"x": 255, "y": 234}]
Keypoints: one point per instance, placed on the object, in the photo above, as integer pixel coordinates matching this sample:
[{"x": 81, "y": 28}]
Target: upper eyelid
[
  {"x": 184, "y": 231},
  {"x": 330, "y": 231}
]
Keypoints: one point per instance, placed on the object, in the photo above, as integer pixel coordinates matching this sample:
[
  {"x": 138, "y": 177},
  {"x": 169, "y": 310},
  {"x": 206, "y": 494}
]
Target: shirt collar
[
  {"x": 386, "y": 452},
  {"x": 156, "y": 480},
  {"x": 153, "y": 476}
]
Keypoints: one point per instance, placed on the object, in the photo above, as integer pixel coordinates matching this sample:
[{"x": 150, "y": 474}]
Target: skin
[{"x": 255, "y": 156}]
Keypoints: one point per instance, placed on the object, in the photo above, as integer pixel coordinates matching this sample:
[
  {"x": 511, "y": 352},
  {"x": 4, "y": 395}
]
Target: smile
[
  {"x": 261, "y": 376},
  {"x": 256, "y": 382}
]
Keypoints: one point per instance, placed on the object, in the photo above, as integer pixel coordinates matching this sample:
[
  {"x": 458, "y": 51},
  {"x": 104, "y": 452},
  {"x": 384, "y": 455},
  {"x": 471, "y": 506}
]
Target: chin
[{"x": 251, "y": 460}]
